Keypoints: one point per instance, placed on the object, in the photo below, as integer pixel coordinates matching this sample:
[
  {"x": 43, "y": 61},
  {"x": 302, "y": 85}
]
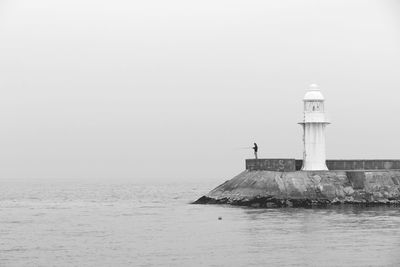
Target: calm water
[{"x": 144, "y": 225}]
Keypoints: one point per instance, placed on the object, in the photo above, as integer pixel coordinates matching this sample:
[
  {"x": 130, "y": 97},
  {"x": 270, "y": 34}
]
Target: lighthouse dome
[{"x": 313, "y": 93}]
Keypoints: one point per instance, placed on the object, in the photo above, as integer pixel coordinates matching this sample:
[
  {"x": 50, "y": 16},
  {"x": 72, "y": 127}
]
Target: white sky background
[{"x": 169, "y": 90}]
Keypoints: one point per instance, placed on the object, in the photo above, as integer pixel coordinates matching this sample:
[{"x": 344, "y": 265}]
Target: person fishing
[{"x": 255, "y": 148}]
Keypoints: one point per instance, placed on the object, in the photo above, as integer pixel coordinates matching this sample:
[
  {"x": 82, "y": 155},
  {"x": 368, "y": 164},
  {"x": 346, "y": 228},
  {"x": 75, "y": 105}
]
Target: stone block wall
[
  {"x": 282, "y": 165},
  {"x": 287, "y": 165}
]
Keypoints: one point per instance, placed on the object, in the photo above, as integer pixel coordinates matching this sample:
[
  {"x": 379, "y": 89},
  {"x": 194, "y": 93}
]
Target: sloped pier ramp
[{"x": 279, "y": 183}]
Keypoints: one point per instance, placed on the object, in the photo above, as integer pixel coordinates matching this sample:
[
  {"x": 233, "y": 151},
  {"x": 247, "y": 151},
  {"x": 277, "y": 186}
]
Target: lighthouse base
[{"x": 314, "y": 146}]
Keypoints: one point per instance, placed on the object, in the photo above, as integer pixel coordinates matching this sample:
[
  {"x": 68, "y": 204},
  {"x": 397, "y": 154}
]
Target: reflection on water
[{"x": 137, "y": 225}]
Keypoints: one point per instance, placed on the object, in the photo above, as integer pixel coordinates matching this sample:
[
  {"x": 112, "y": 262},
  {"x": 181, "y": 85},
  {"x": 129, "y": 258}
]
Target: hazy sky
[{"x": 170, "y": 90}]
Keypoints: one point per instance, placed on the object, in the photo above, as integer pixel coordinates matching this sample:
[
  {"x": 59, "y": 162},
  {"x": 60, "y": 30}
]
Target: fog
[{"x": 173, "y": 90}]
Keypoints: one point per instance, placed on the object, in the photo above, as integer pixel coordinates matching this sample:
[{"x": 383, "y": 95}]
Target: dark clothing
[{"x": 255, "y": 147}]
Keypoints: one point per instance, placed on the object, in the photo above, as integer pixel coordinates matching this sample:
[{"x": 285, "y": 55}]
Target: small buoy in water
[{"x": 219, "y": 218}]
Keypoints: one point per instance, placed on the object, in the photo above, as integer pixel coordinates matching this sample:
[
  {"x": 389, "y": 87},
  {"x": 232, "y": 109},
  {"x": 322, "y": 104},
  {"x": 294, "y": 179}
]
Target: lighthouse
[{"x": 314, "y": 123}]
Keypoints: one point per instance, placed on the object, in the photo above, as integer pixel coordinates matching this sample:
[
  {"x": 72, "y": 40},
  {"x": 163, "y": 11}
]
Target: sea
[{"x": 152, "y": 224}]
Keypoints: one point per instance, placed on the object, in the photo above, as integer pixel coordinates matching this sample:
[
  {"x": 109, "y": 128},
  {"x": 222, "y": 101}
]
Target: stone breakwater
[{"x": 267, "y": 189}]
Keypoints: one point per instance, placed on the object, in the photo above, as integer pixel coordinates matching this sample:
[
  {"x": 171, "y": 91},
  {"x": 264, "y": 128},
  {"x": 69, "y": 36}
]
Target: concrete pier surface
[{"x": 260, "y": 188}]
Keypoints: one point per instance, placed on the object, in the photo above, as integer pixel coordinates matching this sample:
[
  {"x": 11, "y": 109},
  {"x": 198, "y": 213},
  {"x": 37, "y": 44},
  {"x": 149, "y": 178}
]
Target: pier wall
[
  {"x": 282, "y": 165},
  {"x": 287, "y": 165}
]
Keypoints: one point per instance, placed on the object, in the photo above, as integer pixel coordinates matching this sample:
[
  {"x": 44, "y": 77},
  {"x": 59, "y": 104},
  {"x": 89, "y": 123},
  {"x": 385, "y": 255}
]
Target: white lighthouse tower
[{"x": 314, "y": 123}]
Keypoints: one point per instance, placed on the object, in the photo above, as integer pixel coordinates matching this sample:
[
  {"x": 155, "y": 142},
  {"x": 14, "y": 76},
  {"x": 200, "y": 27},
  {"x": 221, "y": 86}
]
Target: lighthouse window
[{"x": 309, "y": 106}]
